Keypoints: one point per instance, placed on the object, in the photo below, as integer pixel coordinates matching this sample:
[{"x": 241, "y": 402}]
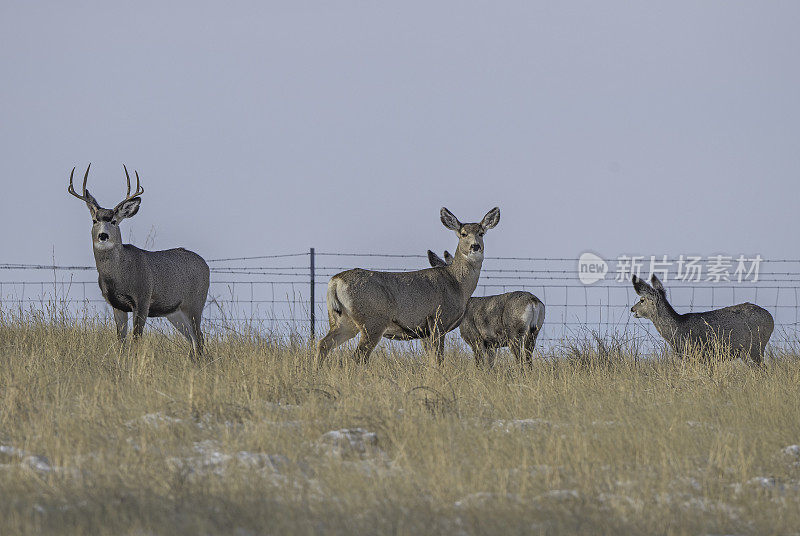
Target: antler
[
  {"x": 71, "y": 188},
  {"x": 139, "y": 189}
]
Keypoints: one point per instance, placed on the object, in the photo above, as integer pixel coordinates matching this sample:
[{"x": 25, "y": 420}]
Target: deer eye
[
  {"x": 94, "y": 221},
  {"x": 113, "y": 222},
  {"x": 463, "y": 234},
  {"x": 481, "y": 233}
]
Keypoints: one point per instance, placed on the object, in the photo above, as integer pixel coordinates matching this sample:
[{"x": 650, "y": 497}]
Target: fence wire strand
[{"x": 275, "y": 293}]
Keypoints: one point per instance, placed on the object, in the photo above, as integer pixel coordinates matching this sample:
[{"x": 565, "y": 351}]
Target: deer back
[
  {"x": 164, "y": 279},
  {"x": 406, "y": 300},
  {"x": 744, "y": 327},
  {"x": 497, "y": 319}
]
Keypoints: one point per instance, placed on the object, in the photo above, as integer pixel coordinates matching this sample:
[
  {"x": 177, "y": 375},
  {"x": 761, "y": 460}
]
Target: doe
[{"x": 423, "y": 304}]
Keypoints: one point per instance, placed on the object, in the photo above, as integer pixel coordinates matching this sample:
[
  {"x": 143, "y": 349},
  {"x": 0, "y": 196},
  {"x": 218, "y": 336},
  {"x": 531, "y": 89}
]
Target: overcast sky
[{"x": 267, "y": 127}]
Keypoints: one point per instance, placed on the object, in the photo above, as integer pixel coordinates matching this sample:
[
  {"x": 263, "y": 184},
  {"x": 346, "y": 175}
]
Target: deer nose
[
  {"x": 103, "y": 237},
  {"x": 475, "y": 247}
]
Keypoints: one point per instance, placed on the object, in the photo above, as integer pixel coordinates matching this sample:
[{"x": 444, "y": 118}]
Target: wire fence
[{"x": 285, "y": 293}]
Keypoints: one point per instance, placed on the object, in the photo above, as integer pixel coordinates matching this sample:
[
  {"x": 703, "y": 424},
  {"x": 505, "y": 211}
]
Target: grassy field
[{"x": 100, "y": 439}]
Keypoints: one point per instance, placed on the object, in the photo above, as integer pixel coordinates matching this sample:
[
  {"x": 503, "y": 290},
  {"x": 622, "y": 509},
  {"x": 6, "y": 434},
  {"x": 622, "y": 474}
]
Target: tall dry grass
[{"x": 97, "y": 438}]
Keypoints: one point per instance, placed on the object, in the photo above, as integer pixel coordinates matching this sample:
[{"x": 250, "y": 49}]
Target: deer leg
[
  {"x": 477, "y": 349},
  {"x": 140, "y": 318},
  {"x": 370, "y": 337},
  {"x": 121, "y": 321},
  {"x": 527, "y": 350},
  {"x": 185, "y": 327},
  {"x": 337, "y": 335},
  {"x": 426, "y": 344},
  {"x": 195, "y": 315},
  {"x": 491, "y": 351},
  {"x": 436, "y": 346},
  {"x": 756, "y": 354},
  {"x": 435, "y": 340},
  {"x": 440, "y": 349},
  {"x": 515, "y": 345},
  {"x": 197, "y": 320}
]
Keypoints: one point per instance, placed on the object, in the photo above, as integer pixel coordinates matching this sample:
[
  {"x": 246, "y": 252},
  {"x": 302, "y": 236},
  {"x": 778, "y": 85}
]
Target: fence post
[{"x": 311, "y": 274}]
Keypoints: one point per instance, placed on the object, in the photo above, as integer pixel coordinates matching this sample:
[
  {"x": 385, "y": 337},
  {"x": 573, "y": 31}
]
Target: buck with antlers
[
  {"x": 424, "y": 304},
  {"x": 171, "y": 283},
  {"x": 513, "y": 319}
]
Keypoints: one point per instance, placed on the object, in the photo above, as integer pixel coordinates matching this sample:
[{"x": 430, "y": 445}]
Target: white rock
[
  {"x": 259, "y": 460},
  {"x": 561, "y": 494},
  {"x": 481, "y": 498},
  {"x": 604, "y": 423},
  {"x": 349, "y": 442},
  {"x": 280, "y": 406},
  {"x": 698, "y": 424},
  {"x": 616, "y": 500},
  {"x": 154, "y": 419},
  {"x": 792, "y": 450},
  {"x": 211, "y": 459},
  {"x": 210, "y": 455},
  {"x": 764, "y": 481},
  {"x": 521, "y": 425},
  {"x": 38, "y": 463},
  {"x": 8, "y": 450},
  {"x": 706, "y": 505}
]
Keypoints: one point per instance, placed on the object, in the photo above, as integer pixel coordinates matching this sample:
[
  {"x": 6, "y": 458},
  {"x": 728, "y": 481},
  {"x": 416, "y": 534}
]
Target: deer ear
[
  {"x": 448, "y": 220},
  {"x": 128, "y": 209},
  {"x": 640, "y": 286},
  {"x": 447, "y": 257},
  {"x": 92, "y": 203},
  {"x": 657, "y": 284},
  {"x": 491, "y": 219},
  {"x": 435, "y": 260}
]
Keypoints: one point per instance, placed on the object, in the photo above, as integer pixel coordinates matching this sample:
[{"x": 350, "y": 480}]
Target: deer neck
[
  {"x": 466, "y": 272},
  {"x": 667, "y": 321},
  {"x": 108, "y": 260}
]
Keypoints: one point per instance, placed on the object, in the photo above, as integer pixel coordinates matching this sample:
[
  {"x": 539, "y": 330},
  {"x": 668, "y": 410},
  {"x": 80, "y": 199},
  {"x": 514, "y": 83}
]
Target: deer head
[
  {"x": 105, "y": 222},
  {"x": 470, "y": 235},
  {"x": 649, "y": 297}
]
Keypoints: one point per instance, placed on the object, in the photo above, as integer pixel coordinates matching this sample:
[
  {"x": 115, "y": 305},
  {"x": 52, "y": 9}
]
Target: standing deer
[
  {"x": 172, "y": 283},
  {"x": 739, "y": 328},
  {"x": 513, "y": 319},
  {"x": 424, "y": 304}
]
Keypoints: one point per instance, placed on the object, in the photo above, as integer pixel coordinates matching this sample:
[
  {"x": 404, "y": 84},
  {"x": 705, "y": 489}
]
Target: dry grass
[{"x": 593, "y": 440}]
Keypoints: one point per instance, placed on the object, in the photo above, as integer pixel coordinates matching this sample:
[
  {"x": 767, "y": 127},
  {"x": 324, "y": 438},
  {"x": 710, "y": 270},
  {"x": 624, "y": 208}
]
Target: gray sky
[{"x": 263, "y": 128}]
